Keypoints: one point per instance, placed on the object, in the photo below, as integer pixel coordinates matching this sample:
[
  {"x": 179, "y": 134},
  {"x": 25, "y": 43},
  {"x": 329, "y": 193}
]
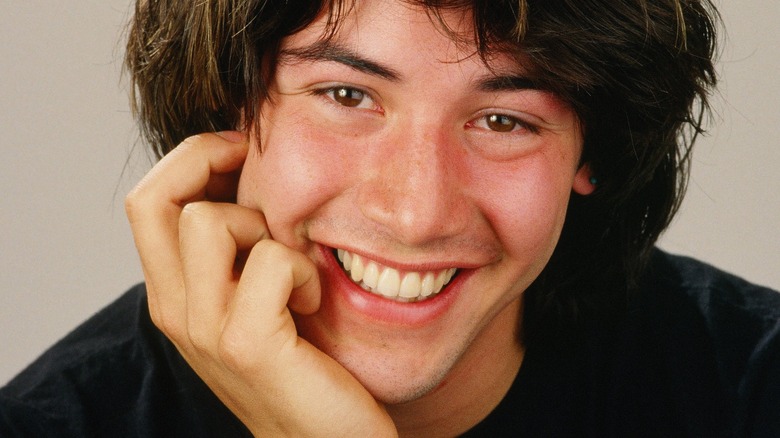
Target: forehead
[{"x": 378, "y": 27}]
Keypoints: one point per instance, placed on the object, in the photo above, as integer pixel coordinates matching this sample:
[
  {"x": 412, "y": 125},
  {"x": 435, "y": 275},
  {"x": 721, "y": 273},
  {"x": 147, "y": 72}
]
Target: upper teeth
[{"x": 391, "y": 283}]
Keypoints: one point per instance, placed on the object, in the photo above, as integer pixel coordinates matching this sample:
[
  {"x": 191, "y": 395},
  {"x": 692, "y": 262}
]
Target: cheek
[
  {"x": 527, "y": 207},
  {"x": 289, "y": 180}
]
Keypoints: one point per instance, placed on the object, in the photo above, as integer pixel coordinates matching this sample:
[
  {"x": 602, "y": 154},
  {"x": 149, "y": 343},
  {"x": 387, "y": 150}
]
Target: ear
[{"x": 584, "y": 181}]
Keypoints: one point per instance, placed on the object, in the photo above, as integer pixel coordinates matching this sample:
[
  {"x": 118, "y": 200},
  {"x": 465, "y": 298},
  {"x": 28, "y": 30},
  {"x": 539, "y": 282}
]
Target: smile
[{"x": 390, "y": 283}]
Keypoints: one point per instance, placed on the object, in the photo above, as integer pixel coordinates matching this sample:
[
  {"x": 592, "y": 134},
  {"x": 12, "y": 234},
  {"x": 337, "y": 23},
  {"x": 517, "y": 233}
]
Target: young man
[{"x": 416, "y": 219}]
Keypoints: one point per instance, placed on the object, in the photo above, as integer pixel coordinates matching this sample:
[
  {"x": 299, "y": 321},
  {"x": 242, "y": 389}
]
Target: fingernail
[{"x": 232, "y": 136}]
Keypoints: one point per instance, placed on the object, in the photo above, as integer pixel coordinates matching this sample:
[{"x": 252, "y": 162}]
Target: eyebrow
[
  {"x": 507, "y": 83},
  {"x": 332, "y": 52}
]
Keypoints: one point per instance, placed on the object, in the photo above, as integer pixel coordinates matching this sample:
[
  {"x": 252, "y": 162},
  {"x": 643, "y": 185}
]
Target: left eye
[
  {"x": 349, "y": 97},
  {"x": 499, "y": 123},
  {"x": 502, "y": 123}
]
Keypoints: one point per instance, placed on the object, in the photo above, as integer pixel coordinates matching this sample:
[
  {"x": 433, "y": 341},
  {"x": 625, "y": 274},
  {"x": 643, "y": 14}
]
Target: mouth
[{"x": 390, "y": 283}]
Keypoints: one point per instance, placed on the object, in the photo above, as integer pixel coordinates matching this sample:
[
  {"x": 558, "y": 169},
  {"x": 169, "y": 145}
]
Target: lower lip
[{"x": 340, "y": 290}]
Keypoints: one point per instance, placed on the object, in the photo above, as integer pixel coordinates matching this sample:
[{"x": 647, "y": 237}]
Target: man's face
[{"x": 398, "y": 147}]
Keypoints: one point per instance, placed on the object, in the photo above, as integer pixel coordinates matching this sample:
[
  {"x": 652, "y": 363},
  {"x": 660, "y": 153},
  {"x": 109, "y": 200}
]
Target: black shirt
[{"x": 697, "y": 355}]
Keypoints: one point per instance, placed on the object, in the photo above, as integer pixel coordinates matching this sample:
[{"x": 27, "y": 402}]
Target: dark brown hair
[{"x": 637, "y": 73}]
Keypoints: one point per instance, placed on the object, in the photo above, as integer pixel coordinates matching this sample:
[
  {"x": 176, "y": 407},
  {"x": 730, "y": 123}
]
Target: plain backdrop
[{"x": 69, "y": 153}]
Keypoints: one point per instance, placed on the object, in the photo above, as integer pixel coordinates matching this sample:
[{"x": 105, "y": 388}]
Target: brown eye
[
  {"x": 348, "y": 97},
  {"x": 501, "y": 123}
]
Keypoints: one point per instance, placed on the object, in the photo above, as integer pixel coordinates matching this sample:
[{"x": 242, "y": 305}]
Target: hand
[{"x": 221, "y": 290}]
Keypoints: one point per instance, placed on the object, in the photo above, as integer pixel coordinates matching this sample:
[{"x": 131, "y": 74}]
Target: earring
[{"x": 593, "y": 180}]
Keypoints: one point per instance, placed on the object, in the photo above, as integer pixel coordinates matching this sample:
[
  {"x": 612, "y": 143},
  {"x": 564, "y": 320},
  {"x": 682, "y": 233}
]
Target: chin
[
  {"x": 394, "y": 370},
  {"x": 395, "y": 382}
]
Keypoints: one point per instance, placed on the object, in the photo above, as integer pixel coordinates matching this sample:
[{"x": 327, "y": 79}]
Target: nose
[{"x": 413, "y": 188}]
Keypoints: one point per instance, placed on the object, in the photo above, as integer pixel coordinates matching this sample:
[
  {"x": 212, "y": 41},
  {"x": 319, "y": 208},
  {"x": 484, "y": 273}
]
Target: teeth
[
  {"x": 427, "y": 285},
  {"x": 358, "y": 269},
  {"x": 371, "y": 275},
  {"x": 411, "y": 286},
  {"x": 389, "y": 282}
]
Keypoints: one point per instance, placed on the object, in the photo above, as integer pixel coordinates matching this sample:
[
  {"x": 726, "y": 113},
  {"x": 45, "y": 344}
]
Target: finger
[
  {"x": 259, "y": 310},
  {"x": 287, "y": 271},
  {"x": 153, "y": 209},
  {"x": 211, "y": 236},
  {"x": 182, "y": 175}
]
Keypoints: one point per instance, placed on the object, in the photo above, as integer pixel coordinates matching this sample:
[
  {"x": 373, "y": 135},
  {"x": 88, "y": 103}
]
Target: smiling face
[{"x": 429, "y": 189}]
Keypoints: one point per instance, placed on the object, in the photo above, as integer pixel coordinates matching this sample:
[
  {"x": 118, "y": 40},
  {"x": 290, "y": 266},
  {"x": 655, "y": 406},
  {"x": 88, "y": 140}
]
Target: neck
[{"x": 474, "y": 387}]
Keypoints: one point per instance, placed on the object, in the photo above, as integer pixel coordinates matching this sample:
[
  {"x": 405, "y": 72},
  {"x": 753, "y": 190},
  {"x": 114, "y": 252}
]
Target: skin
[{"x": 394, "y": 158}]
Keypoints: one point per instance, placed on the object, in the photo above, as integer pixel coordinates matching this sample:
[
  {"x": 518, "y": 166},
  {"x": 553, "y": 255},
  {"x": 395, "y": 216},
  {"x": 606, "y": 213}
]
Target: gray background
[{"x": 69, "y": 155}]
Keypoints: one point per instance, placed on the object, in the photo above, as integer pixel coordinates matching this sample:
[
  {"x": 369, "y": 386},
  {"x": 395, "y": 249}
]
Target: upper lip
[{"x": 431, "y": 264}]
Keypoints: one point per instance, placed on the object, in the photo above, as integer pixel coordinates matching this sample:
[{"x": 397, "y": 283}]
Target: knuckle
[
  {"x": 156, "y": 318},
  {"x": 131, "y": 207},
  {"x": 134, "y": 203},
  {"x": 199, "y": 339},
  {"x": 168, "y": 326},
  {"x": 267, "y": 253},
  {"x": 270, "y": 250},
  {"x": 144, "y": 199},
  {"x": 191, "y": 142},
  {"x": 198, "y": 144},
  {"x": 233, "y": 348},
  {"x": 199, "y": 213}
]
